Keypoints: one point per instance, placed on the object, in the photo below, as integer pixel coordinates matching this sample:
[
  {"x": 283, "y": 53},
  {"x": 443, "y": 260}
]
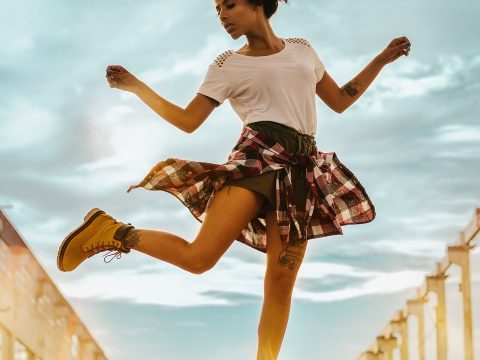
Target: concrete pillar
[
  {"x": 370, "y": 355},
  {"x": 7, "y": 345},
  {"x": 387, "y": 345},
  {"x": 460, "y": 255},
  {"x": 400, "y": 326},
  {"x": 415, "y": 307},
  {"x": 31, "y": 355},
  {"x": 436, "y": 284}
]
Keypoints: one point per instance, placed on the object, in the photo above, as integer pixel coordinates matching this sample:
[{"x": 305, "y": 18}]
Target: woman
[{"x": 273, "y": 173}]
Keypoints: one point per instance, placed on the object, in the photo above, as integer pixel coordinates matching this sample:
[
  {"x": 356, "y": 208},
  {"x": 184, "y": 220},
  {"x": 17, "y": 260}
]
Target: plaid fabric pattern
[{"x": 335, "y": 196}]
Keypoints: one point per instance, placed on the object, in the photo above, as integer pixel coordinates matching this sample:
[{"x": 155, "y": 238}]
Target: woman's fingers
[
  {"x": 111, "y": 80},
  {"x": 114, "y": 74},
  {"x": 399, "y": 41},
  {"x": 116, "y": 69},
  {"x": 119, "y": 77},
  {"x": 399, "y": 46},
  {"x": 404, "y": 42},
  {"x": 396, "y": 48},
  {"x": 405, "y": 46}
]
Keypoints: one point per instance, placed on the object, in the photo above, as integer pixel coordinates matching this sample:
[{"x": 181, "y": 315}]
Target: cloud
[
  {"x": 68, "y": 142},
  {"x": 428, "y": 221},
  {"x": 380, "y": 283},
  {"x": 191, "y": 324},
  {"x": 25, "y": 125},
  {"x": 413, "y": 247},
  {"x": 415, "y": 79},
  {"x": 230, "y": 283},
  {"x": 190, "y": 289},
  {"x": 195, "y": 64},
  {"x": 458, "y": 133}
]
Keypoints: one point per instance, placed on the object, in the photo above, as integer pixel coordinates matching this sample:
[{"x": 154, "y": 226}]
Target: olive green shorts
[{"x": 294, "y": 142}]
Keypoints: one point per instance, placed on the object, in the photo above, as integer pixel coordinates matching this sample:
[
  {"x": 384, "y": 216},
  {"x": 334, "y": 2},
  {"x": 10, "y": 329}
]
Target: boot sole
[{"x": 87, "y": 221}]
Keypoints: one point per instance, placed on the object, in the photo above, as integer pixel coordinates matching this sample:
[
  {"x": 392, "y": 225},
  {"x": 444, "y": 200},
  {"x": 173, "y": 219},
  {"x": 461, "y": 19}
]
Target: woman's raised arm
[
  {"x": 187, "y": 120},
  {"x": 340, "y": 99}
]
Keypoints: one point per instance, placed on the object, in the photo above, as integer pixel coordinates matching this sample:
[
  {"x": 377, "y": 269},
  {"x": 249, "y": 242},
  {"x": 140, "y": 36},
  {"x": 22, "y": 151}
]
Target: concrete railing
[{"x": 395, "y": 333}]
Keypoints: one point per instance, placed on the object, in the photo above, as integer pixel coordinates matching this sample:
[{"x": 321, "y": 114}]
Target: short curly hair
[{"x": 269, "y": 6}]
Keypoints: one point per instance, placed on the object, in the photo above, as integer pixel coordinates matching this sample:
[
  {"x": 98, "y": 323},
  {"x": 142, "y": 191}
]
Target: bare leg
[
  {"x": 161, "y": 245},
  {"x": 273, "y": 324},
  {"x": 230, "y": 211},
  {"x": 278, "y": 288}
]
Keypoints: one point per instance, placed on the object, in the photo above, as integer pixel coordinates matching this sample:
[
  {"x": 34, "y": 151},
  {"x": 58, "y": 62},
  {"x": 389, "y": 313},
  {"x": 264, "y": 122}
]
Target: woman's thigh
[
  {"x": 283, "y": 262},
  {"x": 229, "y": 212}
]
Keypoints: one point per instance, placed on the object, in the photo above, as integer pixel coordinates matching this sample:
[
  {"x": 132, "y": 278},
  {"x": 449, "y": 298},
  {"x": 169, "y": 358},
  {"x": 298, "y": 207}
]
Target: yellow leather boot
[{"x": 98, "y": 232}]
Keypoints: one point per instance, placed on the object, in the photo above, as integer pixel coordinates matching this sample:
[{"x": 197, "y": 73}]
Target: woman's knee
[
  {"x": 200, "y": 262},
  {"x": 279, "y": 287},
  {"x": 227, "y": 216},
  {"x": 199, "y": 269},
  {"x": 283, "y": 267}
]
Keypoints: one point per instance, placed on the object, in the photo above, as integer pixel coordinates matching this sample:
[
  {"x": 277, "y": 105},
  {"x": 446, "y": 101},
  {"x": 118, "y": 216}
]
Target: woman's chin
[{"x": 235, "y": 35}]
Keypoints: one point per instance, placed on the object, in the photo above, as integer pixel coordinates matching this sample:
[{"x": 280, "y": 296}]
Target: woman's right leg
[{"x": 281, "y": 273}]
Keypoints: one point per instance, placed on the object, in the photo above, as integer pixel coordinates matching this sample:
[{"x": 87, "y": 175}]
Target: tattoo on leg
[
  {"x": 289, "y": 257},
  {"x": 351, "y": 88},
  {"x": 132, "y": 239}
]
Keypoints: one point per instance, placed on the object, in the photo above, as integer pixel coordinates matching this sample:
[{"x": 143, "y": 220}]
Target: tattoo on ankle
[
  {"x": 132, "y": 239},
  {"x": 351, "y": 88}
]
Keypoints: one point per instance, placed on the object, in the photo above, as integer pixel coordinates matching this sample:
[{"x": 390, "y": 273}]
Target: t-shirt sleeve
[
  {"x": 215, "y": 84},
  {"x": 319, "y": 66}
]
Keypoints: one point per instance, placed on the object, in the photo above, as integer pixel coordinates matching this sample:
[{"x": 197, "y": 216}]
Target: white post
[
  {"x": 436, "y": 284},
  {"x": 460, "y": 255}
]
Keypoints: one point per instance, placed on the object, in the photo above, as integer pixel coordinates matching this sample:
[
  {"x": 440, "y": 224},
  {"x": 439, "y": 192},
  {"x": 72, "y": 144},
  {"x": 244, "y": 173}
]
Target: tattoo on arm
[
  {"x": 132, "y": 239},
  {"x": 351, "y": 88}
]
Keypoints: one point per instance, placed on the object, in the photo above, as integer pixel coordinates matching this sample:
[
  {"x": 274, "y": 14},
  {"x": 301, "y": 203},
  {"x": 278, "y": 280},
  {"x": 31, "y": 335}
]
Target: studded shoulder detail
[
  {"x": 220, "y": 60},
  {"x": 298, "y": 41}
]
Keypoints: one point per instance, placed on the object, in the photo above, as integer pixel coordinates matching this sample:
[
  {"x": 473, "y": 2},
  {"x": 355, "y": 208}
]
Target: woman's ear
[{"x": 256, "y": 6}]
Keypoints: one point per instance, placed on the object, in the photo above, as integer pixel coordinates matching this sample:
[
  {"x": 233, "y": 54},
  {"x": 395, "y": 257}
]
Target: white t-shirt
[{"x": 278, "y": 87}]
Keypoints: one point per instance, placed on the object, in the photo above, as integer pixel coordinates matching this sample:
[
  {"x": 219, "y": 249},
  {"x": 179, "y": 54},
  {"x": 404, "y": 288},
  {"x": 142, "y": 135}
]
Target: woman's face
[{"x": 237, "y": 16}]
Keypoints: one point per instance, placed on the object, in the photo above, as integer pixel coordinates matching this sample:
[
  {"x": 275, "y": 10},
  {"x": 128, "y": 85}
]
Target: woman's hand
[
  {"x": 120, "y": 78},
  {"x": 397, "y": 47}
]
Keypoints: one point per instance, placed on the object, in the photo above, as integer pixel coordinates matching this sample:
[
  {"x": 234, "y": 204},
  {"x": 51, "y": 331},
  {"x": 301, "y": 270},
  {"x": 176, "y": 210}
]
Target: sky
[{"x": 69, "y": 142}]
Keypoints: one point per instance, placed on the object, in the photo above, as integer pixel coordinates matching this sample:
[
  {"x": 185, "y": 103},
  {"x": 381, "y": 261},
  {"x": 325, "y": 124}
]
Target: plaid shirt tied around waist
[{"x": 335, "y": 196}]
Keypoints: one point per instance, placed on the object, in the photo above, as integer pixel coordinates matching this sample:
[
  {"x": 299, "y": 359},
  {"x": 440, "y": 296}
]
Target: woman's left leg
[
  {"x": 231, "y": 209},
  {"x": 283, "y": 264}
]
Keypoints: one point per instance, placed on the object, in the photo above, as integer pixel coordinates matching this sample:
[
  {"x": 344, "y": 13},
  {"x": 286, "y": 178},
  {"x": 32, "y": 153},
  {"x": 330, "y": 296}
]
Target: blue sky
[{"x": 68, "y": 142}]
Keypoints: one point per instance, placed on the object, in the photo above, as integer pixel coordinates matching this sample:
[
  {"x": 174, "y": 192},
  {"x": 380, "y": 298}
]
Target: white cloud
[
  {"x": 458, "y": 133},
  {"x": 411, "y": 247},
  {"x": 412, "y": 78},
  {"x": 123, "y": 144},
  {"x": 195, "y": 64},
  {"x": 458, "y": 153},
  {"x": 191, "y": 324},
  {"x": 25, "y": 124},
  {"x": 230, "y": 275},
  {"x": 320, "y": 270},
  {"x": 15, "y": 46},
  {"x": 381, "y": 283},
  {"x": 429, "y": 221}
]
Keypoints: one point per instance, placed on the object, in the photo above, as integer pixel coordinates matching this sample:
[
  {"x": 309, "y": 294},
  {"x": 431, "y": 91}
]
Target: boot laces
[
  {"x": 115, "y": 250},
  {"x": 113, "y": 254}
]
